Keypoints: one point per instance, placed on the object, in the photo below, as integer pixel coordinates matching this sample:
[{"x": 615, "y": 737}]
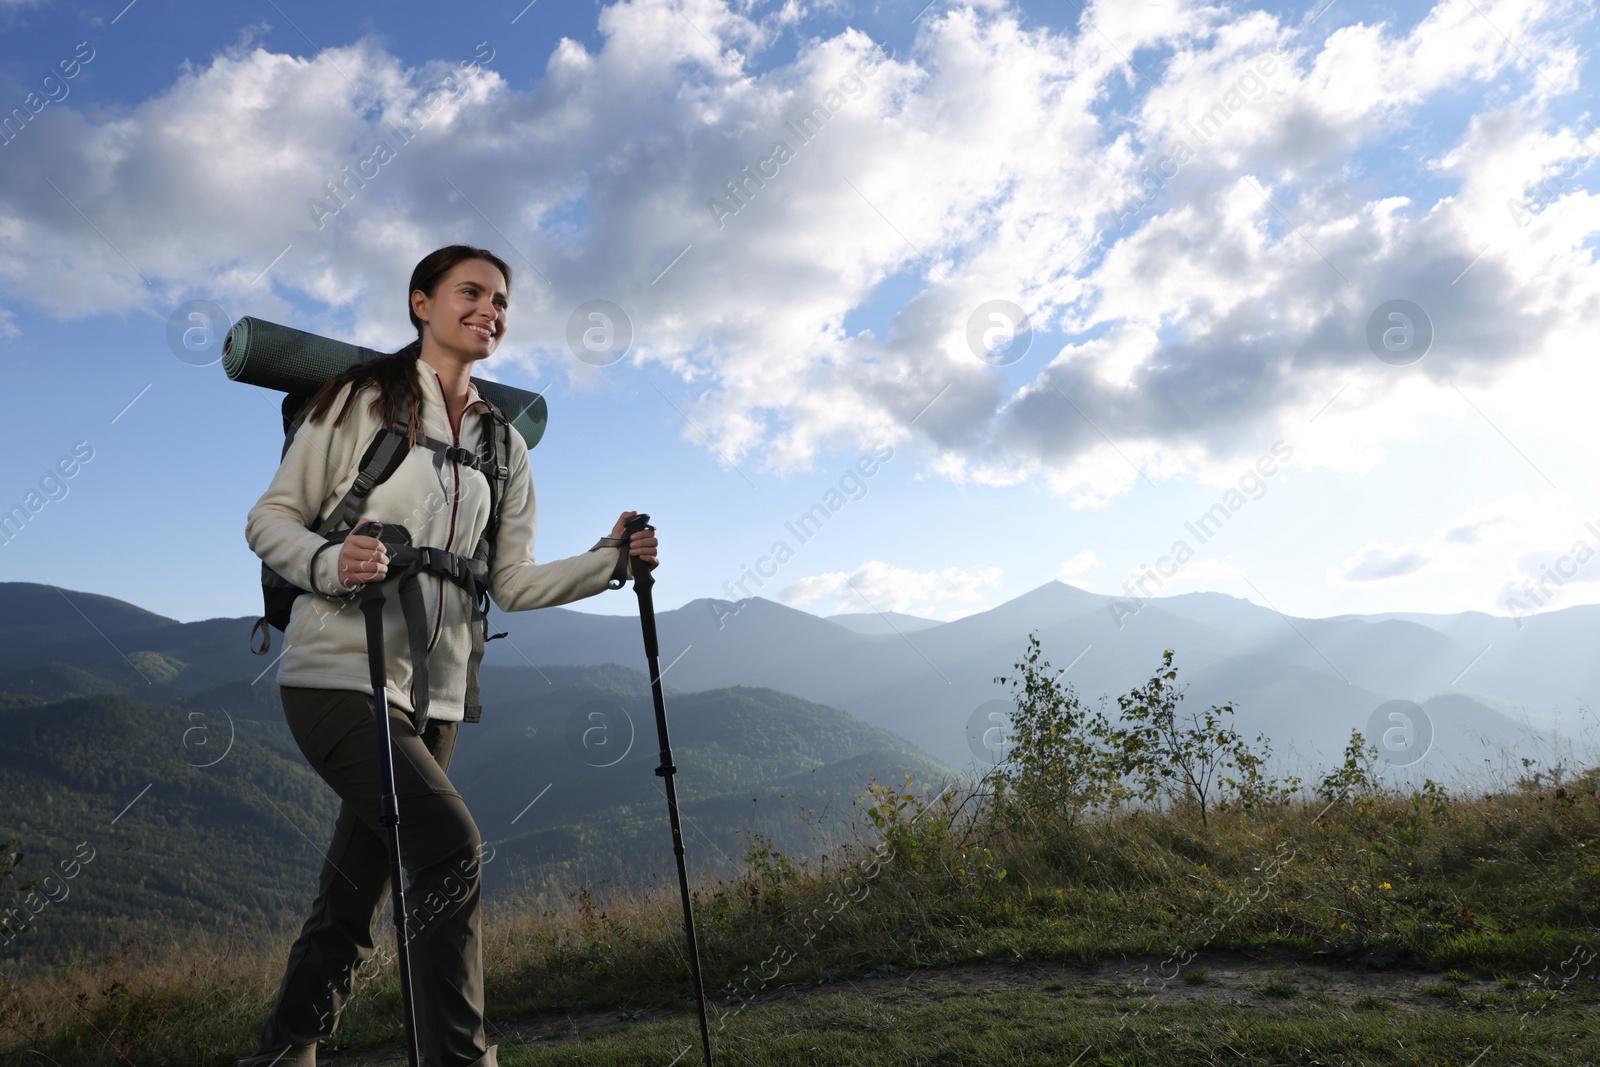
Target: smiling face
[{"x": 466, "y": 315}]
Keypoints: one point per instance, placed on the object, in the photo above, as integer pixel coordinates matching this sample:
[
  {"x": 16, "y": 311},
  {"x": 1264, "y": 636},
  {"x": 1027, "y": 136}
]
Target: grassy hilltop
[{"x": 1115, "y": 893}]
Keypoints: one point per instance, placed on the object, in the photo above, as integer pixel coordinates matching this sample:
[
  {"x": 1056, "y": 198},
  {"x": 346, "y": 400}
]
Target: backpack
[{"x": 382, "y": 458}]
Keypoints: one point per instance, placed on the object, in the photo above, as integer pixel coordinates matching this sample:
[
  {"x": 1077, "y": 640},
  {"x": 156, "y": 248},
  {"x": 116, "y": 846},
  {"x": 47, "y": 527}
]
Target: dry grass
[{"x": 1505, "y": 885}]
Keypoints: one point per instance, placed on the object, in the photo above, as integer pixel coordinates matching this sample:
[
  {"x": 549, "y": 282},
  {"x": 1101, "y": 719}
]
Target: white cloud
[
  {"x": 1206, "y": 572},
  {"x": 1376, "y": 562},
  {"x": 878, "y": 586},
  {"x": 1468, "y": 539},
  {"x": 1515, "y": 555},
  {"x": 1078, "y": 566},
  {"x": 1209, "y": 571},
  {"x": 982, "y": 164},
  {"x": 1546, "y": 563}
]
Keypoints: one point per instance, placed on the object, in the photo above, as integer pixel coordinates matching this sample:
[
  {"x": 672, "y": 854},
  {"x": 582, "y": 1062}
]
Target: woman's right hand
[{"x": 362, "y": 560}]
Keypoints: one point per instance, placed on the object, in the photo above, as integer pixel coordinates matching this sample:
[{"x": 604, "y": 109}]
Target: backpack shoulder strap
[
  {"x": 293, "y": 404},
  {"x": 495, "y": 465},
  {"x": 382, "y": 458}
]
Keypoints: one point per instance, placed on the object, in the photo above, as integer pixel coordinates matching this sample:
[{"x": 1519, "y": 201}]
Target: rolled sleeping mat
[{"x": 258, "y": 352}]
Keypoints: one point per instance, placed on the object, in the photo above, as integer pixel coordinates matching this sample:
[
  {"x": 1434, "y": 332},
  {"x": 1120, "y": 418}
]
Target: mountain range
[
  {"x": 1485, "y": 684},
  {"x": 1483, "y": 688},
  {"x": 158, "y": 750},
  {"x": 161, "y": 744}
]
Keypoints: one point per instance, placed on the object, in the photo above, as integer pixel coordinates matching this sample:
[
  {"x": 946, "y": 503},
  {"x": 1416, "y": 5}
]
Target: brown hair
[{"x": 393, "y": 377}]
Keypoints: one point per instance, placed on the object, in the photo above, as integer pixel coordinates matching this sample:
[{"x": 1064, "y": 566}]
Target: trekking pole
[
  {"x": 642, "y": 581},
  {"x": 389, "y": 810}
]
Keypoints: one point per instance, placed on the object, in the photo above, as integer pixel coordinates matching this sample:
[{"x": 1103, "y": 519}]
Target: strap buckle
[
  {"x": 438, "y": 561},
  {"x": 485, "y": 465}
]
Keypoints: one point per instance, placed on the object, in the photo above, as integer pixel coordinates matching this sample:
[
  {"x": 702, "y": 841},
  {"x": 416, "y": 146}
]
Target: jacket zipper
[{"x": 455, "y": 502}]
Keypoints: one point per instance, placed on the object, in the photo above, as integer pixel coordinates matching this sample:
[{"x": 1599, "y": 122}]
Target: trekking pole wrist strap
[
  {"x": 311, "y": 572},
  {"x": 619, "y": 573}
]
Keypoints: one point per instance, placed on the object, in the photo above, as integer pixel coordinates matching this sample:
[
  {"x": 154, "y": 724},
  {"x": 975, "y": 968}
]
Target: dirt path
[{"x": 1228, "y": 978}]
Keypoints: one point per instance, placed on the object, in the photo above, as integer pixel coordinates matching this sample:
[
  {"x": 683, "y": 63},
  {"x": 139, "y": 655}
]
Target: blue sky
[{"x": 990, "y": 152}]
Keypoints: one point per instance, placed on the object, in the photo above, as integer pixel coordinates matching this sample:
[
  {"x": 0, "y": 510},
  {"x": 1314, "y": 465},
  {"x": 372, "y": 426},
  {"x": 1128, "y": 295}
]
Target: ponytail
[{"x": 392, "y": 380}]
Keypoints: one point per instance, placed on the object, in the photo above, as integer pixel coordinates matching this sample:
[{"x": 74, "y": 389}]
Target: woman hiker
[{"x": 458, "y": 301}]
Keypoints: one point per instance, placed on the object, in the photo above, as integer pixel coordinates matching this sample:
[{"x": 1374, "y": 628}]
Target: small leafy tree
[
  {"x": 1252, "y": 786},
  {"x": 1357, "y": 776},
  {"x": 768, "y": 874},
  {"x": 1060, "y": 763},
  {"x": 1189, "y": 759},
  {"x": 914, "y": 829}
]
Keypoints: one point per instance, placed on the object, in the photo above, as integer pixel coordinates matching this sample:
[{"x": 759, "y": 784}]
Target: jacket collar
[{"x": 432, "y": 388}]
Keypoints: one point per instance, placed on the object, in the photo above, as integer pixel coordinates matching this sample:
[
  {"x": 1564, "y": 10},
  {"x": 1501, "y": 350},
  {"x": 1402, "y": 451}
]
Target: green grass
[
  {"x": 1481, "y": 917},
  {"x": 1277, "y": 988},
  {"x": 1032, "y": 1027}
]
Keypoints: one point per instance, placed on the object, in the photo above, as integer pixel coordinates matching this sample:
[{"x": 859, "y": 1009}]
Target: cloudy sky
[{"x": 1297, "y": 303}]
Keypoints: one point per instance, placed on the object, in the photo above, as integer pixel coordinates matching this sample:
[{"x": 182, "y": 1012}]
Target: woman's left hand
[{"x": 644, "y": 543}]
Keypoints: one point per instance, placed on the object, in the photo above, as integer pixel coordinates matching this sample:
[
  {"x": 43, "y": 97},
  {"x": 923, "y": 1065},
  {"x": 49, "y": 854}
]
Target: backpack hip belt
[{"x": 407, "y": 564}]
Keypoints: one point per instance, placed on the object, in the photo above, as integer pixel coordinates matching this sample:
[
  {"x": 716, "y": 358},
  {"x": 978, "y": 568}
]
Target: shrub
[
  {"x": 1189, "y": 760},
  {"x": 1060, "y": 762},
  {"x": 1357, "y": 776}
]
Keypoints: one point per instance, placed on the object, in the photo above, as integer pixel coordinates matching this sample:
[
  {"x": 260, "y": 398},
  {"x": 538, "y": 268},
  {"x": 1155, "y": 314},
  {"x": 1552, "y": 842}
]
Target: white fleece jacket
[{"x": 443, "y": 505}]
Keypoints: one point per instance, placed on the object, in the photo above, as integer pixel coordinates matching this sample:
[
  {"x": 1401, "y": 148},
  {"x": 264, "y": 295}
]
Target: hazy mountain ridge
[
  {"x": 925, "y": 684},
  {"x": 883, "y": 623},
  {"x": 779, "y": 719},
  {"x": 203, "y": 811},
  {"x": 240, "y": 842},
  {"x": 749, "y": 759}
]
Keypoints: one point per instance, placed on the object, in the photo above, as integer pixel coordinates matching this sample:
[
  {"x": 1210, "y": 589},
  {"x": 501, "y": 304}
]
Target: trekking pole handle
[{"x": 641, "y": 569}]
